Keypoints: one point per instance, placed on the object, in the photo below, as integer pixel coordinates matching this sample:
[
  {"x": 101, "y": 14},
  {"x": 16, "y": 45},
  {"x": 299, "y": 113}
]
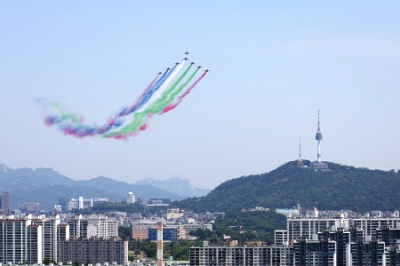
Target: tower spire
[
  {"x": 318, "y": 137},
  {"x": 300, "y": 161},
  {"x": 299, "y": 148},
  {"x": 319, "y": 165}
]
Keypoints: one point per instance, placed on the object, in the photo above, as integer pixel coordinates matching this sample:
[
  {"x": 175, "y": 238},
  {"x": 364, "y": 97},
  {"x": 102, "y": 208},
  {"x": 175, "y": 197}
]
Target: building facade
[
  {"x": 93, "y": 250},
  {"x": 20, "y": 241},
  {"x": 241, "y": 256},
  {"x": 49, "y": 236},
  {"x": 6, "y": 203},
  {"x": 140, "y": 230}
]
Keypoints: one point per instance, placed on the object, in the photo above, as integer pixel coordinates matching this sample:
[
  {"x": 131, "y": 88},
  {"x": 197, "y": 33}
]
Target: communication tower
[
  {"x": 318, "y": 137},
  {"x": 300, "y": 161},
  {"x": 319, "y": 165}
]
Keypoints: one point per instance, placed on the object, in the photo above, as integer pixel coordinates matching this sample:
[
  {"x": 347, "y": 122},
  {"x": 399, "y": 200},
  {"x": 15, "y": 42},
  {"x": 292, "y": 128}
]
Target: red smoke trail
[
  {"x": 125, "y": 137},
  {"x": 172, "y": 106}
]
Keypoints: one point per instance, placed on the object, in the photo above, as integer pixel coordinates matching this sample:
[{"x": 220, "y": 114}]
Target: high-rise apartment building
[
  {"x": 93, "y": 250},
  {"x": 30, "y": 207},
  {"x": 49, "y": 236},
  {"x": 34, "y": 239},
  {"x": 101, "y": 226},
  {"x": 314, "y": 252},
  {"x": 368, "y": 253},
  {"x": 241, "y": 256},
  {"x": 93, "y": 226},
  {"x": 20, "y": 241},
  {"x": 34, "y": 244},
  {"x": 6, "y": 203},
  {"x": 62, "y": 232},
  {"x": 298, "y": 228},
  {"x": 369, "y": 225},
  {"x": 78, "y": 227}
]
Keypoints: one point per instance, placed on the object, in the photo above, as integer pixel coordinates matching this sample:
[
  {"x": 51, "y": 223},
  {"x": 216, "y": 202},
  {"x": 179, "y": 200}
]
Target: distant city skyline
[{"x": 273, "y": 65}]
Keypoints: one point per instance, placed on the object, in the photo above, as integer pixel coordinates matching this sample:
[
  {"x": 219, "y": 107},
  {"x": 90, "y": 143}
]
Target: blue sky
[{"x": 273, "y": 64}]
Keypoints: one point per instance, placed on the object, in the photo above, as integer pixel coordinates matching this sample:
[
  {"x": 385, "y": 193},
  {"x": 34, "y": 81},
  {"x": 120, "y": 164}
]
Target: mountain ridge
[
  {"x": 38, "y": 185},
  {"x": 182, "y": 186},
  {"x": 343, "y": 187}
]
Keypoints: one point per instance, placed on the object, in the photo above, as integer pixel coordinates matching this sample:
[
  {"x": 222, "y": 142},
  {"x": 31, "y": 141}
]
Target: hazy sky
[{"x": 273, "y": 64}]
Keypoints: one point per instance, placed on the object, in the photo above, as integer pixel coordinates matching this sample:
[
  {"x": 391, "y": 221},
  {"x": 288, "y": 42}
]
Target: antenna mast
[{"x": 300, "y": 161}]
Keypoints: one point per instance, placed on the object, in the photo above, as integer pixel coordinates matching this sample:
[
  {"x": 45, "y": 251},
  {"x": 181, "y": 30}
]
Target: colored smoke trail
[
  {"x": 164, "y": 86},
  {"x": 133, "y": 107},
  {"x": 64, "y": 116},
  {"x": 155, "y": 108},
  {"x": 147, "y": 96},
  {"x": 159, "y": 97},
  {"x": 180, "y": 98},
  {"x": 168, "y": 95},
  {"x": 78, "y": 129}
]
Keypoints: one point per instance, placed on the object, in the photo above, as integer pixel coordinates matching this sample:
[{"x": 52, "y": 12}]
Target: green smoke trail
[
  {"x": 164, "y": 101},
  {"x": 166, "y": 98},
  {"x": 66, "y": 116}
]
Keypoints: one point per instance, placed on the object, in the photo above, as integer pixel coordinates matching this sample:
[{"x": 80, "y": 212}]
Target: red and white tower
[{"x": 160, "y": 254}]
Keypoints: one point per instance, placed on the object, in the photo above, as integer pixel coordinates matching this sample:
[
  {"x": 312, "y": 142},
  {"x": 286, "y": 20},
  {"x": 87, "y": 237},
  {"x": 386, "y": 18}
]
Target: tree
[{"x": 124, "y": 232}]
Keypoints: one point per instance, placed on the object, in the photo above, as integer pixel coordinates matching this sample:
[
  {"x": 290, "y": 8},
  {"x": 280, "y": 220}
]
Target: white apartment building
[
  {"x": 19, "y": 240},
  {"x": 34, "y": 244},
  {"x": 102, "y": 227},
  {"x": 79, "y": 203},
  {"x": 280, "y": 237},
  {"x": 94, "y": 226},
  {"x": 370, "y": 224},
  {"x": 35, "y": 238},
  {"x": 78, "y": 227},
  {"x": 298, "y": 228},
  {"x": 49, "y": 236}
]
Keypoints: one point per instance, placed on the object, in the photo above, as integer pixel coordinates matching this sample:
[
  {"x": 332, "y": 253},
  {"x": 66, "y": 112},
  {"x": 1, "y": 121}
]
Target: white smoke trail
[{"x": 162, "y": 88}]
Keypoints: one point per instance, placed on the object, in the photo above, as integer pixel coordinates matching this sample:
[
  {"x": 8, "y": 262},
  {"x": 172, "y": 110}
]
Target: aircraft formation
[{"x": 164, "y": 93}]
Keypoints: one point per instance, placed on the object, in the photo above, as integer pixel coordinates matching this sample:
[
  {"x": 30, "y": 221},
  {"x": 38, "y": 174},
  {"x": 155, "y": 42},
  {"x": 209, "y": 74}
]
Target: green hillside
[{"x": 344, "y": 187}]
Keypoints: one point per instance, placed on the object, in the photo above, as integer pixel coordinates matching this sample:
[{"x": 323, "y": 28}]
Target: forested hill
[{"x": 344, "y": 187}]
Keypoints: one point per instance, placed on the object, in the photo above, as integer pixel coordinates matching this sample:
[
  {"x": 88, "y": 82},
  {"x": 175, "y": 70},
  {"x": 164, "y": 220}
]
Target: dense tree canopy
[
  {"x": 343, "y": 187},
  {"x": 244, "y": 226}
]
